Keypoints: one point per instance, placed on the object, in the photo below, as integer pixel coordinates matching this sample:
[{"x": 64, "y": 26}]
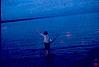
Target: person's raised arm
[{"x": 41, "y": 34}]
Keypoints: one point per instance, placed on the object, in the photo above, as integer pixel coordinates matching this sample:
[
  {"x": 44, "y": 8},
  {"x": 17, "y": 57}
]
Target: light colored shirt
[{"x": 46, "y": 38}]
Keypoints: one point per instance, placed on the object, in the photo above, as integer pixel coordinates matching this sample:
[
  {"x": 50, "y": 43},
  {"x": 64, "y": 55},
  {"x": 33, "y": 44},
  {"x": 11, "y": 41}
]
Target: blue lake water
[
  {"x": 75, "y": 23},
  {"x": 73, "y": 30}
]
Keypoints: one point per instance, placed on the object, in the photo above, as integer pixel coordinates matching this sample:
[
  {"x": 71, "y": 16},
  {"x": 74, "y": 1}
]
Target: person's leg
[
  {"x": 46, "y": 52},
  {"x": 47, "y": 49}
]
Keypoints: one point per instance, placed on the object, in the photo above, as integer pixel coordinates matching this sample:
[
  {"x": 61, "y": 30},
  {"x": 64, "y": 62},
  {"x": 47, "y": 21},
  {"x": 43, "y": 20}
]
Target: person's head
[{"x": 45, "y": 33}]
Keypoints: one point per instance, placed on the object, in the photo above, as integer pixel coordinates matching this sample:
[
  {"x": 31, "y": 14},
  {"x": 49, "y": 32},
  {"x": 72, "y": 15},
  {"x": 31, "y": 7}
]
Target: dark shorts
[{"x": 47, "y": 46}]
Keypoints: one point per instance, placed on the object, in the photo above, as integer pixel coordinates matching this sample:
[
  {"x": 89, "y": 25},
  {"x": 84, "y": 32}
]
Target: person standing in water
[{"x": 46, "y": 41}]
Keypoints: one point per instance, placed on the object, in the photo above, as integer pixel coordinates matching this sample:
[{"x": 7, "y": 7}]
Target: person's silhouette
[{"x": 46, "y": 41}]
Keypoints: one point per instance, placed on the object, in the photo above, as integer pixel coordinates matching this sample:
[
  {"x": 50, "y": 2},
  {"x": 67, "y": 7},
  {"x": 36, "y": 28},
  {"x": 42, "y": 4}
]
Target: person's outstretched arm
[{"x": 41, "y": 34}]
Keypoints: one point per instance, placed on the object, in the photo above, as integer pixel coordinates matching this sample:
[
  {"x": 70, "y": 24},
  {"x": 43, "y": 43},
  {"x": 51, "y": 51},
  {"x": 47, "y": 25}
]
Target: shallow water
[{"x": 77, "y": 31}]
